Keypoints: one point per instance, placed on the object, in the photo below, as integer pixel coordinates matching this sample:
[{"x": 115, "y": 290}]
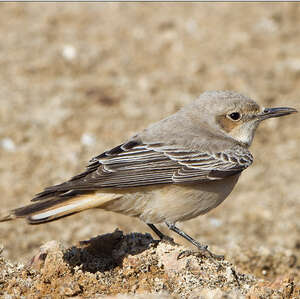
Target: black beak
[{"x": 276, "y": 112}]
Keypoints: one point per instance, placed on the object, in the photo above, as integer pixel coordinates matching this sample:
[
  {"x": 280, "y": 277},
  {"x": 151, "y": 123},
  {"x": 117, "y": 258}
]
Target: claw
[
  {"x": 168, "y": 239},
  {"x": 184, "y": 253},
  {"x": 203, "y": 252}
]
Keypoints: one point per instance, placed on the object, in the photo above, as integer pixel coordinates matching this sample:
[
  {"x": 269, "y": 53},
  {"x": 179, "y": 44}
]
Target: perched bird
[{"x": 178, "y": 168}]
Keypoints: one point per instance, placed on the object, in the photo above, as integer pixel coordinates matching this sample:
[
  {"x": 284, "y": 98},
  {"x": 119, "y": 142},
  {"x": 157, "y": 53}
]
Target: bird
[{"x": 176, "y": 169}]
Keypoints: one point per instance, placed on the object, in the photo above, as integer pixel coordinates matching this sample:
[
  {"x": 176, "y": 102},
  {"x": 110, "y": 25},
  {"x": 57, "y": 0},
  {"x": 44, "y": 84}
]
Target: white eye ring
[{"x": 235, "y": 116}]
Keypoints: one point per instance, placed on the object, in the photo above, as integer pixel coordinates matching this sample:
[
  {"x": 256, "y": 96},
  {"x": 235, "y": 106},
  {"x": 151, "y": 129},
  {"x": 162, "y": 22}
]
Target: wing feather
[{"x": 135, "y": 164}]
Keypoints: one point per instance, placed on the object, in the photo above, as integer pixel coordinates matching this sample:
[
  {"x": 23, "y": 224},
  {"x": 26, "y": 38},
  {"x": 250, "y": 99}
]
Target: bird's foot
[
  {"x": 202, "y": 249},
  {"x": 168, "y": 240},
  {"x": 201, "y": 252},
  {"x": 161, "y": 236}
]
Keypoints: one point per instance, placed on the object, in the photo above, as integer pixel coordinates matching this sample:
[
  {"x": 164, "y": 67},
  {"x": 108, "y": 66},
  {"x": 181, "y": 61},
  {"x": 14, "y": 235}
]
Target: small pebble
[
  {"x": 87, "y": 139},
  {"x": 69, "y": 52},
  {"x": 8, "y": 144},
  {"x": 215, "y": 222}
]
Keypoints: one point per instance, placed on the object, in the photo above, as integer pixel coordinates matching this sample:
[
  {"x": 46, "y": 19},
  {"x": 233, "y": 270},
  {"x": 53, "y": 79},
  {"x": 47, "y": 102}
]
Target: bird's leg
[
  {"x": 203, "y": 250},
  {"x": 159, "y": 233},
  {"x": 156, "y": 230}
]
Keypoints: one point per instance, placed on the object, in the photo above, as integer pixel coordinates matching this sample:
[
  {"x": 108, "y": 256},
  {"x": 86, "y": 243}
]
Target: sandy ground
[{"x": 77, "y": 79}]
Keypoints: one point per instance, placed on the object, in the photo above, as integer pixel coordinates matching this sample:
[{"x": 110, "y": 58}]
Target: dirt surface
[
  {"x": 115, "y": 264},
  {"x": 78, "y": 78}
]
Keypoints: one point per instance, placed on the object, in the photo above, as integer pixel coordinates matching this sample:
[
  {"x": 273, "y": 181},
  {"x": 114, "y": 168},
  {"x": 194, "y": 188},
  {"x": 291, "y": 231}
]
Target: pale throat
[{"x": 244, "y": 133}]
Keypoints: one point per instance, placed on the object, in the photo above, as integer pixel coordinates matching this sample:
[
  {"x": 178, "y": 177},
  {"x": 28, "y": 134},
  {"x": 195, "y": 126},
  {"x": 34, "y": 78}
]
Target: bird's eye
[{"x": 234, "y": 116}]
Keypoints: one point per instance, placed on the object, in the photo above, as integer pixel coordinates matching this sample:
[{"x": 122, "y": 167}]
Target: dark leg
[
  {"x": 156, "y": 230},
  {"x": 160, "y": 234},
  {"x": 202, "y": 248}
]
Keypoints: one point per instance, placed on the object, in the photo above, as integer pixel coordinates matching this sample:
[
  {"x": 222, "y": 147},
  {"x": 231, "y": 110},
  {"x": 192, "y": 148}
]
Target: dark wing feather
[{"x": 135, "y": 164}]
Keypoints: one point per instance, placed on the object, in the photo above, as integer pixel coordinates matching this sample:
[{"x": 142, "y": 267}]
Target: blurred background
[{"x": 77, "y": 79}]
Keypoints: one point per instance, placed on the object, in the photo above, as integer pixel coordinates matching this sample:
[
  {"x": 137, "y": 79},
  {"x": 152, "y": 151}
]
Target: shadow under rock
[{"x": 107, "y": 252}]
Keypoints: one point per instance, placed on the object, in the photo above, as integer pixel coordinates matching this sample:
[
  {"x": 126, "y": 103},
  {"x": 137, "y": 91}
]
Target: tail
[{"x": 58, "y": 207}]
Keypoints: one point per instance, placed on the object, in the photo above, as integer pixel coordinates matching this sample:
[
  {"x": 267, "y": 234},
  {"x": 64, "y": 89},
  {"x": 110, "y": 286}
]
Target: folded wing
[
  {"x": 135, "y": 164},
  {"x": 131, "y": 164}
]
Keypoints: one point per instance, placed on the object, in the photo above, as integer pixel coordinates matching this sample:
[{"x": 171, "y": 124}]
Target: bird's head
[{"x": 237, "y": 115}]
